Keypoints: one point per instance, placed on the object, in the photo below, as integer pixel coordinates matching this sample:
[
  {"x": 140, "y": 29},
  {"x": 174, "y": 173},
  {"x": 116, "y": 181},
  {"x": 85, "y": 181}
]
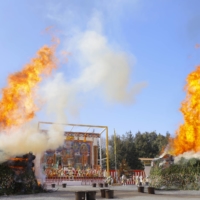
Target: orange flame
[
  {"x": 18, "y": 159},
  {"x": 188, "y": 135},
  {"x": 38, "y": 182},
  {"x": 17, "y": 105}
]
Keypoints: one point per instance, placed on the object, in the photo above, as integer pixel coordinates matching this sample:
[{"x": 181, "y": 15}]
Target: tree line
[{"x": 131, "y": 147}]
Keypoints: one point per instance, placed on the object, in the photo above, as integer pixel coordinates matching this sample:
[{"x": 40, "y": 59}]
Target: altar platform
[{"x": 75, "y": 181}]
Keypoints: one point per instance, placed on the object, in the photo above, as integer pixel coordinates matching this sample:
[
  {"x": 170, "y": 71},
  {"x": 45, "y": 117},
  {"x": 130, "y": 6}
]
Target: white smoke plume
[
  {"x": 39, "y": 171},
  {"x": 106, "y": 69},
  {"x": 102, "y": 70},
  {"x": 60, "y": 98},
  {"x": 29, "y": 139},
  {"x": 187, "y": 155}
]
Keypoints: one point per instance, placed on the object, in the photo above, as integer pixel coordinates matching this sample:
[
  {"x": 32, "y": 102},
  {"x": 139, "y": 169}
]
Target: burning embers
[{"x": 24, "y": 162}]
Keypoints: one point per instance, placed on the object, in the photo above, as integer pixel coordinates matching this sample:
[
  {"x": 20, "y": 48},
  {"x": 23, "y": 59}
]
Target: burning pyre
[
  {"x": 17, "y": 107},
  {"x": 188, "y": 135},
  {"x": 184, "y": 172},
  {"x": 17, "y": 176}
]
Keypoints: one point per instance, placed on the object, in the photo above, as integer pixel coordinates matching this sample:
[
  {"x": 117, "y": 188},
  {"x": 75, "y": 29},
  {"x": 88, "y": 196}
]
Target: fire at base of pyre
[
  {"x": 17, "y": 176},
  {"x": 183, "y": 175}
]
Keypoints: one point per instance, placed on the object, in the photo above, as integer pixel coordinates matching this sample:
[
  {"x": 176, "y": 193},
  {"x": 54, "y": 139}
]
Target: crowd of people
[{"x": 137, "y": 180}]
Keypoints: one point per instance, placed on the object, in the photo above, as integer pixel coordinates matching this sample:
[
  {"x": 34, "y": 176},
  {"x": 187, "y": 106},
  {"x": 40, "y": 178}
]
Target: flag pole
[{"x": 115, "y": 148}]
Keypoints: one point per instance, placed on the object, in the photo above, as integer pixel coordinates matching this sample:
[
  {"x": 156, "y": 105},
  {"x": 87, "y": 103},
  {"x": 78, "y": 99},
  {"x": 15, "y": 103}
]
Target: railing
[{"x": 84, "y": 180}]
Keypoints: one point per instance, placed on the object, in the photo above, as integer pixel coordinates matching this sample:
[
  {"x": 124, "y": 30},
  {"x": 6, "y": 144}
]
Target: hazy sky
[{"x": 127, "y": 59}]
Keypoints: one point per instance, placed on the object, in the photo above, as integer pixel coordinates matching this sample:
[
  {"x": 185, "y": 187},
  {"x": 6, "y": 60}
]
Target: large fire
[
  {"x": 17, "y": 104},
  {"x": 188, "y": 135}
]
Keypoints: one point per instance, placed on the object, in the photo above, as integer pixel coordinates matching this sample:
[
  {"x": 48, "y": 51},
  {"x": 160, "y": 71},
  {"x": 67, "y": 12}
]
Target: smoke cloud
[
  {"x": 187, "y": 155},
  {"x": 102, "y": 70},
  {"x": 106, "y": 69},
  {"x": 29, "y": 139}
]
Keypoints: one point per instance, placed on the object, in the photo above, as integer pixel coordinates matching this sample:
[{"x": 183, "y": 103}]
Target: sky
[{"x": 127, "y": 60}]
